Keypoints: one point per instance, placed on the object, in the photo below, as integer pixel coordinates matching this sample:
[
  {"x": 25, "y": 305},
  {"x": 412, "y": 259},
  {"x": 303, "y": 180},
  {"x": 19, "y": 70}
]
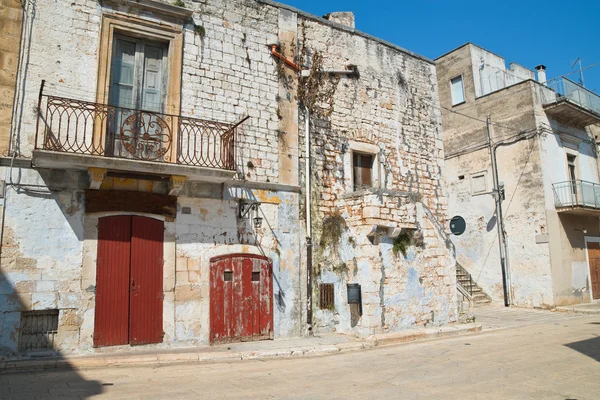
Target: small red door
[
  {"x": 241, "y": 292},
  {"x": 129, "y": 277}
]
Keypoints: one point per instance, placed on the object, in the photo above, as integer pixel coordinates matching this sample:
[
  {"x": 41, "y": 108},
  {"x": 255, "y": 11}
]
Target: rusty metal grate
[
  {"x": 326, "y": 296},
  {"x": 38, "y": 330}
]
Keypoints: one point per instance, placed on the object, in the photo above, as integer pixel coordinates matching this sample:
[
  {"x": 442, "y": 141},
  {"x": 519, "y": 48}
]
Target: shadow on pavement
[
  {"x": 588, "y": 347},
  {"x": 48, "y": 384}
]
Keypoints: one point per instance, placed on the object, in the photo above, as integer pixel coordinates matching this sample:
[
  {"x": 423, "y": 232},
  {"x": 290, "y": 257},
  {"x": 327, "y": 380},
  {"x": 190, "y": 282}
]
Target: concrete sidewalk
[
  {"x": 281, "y": 348},
  {"x": 590, "y": 308}
]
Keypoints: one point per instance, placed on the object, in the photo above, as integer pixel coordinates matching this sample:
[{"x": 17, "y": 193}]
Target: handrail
[
  {"x": 83, "y": 127},
  {"x": 566, "y": 88},
  {"x": 576, "y": 193},
  {"x": 468, "y": 289}
]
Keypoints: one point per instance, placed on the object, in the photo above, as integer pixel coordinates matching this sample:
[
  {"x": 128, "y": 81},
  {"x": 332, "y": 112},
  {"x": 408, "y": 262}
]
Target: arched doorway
[
  {"x": 129, "y": 281},
  {"x": 241, "y": 298}
]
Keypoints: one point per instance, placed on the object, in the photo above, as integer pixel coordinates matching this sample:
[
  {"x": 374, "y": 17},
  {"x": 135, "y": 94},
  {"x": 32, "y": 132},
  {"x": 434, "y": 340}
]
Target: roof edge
[
  {"x": 344, "y": 28},
  {"x": 453, "y": 50}
]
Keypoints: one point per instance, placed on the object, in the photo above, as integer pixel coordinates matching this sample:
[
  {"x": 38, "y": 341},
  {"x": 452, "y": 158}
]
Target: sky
[{"x": 551, "y": 32}]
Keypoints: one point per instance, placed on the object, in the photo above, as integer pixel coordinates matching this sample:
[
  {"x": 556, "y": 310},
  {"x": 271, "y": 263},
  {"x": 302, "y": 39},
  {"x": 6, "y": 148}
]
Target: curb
[
  {"x": 578, "y": 310},
  {"x": 424, "y": 334},
  {"x": 199, "y": 357}
]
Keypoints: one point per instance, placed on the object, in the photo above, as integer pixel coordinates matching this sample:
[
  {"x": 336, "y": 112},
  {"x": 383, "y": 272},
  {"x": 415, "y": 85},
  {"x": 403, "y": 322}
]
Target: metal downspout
[{"x": 307, "y": 210}]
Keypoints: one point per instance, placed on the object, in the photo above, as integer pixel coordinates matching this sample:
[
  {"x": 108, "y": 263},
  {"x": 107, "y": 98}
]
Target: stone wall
[
  {"x": 228, "y": 72},
  {"x": 391, "y": 107},
  {"x": 50, "y": 246},
  {"x": 11, "y": 15}
]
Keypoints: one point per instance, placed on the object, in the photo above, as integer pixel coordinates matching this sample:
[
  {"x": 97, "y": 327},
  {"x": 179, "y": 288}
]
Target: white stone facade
[{"x": 50, "y": 241}]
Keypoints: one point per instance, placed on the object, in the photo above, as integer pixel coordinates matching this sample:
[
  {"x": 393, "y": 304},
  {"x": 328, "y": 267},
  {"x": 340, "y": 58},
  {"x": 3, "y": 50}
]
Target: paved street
[{"x": 534, "y": 355}]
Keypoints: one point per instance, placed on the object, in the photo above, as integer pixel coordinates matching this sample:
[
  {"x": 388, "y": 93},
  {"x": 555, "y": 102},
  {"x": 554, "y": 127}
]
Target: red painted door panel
[
  {"x": 240, "y": 298},
  {"x": 146, "y": 285},
  {"x": 112, "y": 281},
  {"x": 217, "y": 295},
  {"x": 247, "y": 311},
  {"x": 266, "y": 299}
]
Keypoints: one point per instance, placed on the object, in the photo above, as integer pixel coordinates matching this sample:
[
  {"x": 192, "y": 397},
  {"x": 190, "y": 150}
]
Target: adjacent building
[
  {"x": 547, "y": 166},
  {"x": 159, "y": 187}
]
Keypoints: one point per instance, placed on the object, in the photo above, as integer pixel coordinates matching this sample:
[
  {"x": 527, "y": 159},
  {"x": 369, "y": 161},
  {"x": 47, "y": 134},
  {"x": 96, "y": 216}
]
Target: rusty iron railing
[{"x": 82, "y": 127}]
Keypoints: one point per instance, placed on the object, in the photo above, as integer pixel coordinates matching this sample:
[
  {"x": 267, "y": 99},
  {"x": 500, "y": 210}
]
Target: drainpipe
[
  {"x": 280, "y": 56},
  {"x": 503, "y": 245},
  {"x": 308, "y": 223}
]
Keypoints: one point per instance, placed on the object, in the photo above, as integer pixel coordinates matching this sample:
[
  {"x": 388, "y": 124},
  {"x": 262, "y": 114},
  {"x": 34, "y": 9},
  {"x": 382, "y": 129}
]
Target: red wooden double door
[
  {"x": 129, "y": 281},
  {"x": 241, "y": 298}
]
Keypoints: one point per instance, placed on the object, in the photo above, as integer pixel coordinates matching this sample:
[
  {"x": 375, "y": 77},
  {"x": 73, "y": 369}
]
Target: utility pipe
[
  {"x": 289, "y": 63},
  {"x": 504, "y": 265},
  {"x": 307, "y": 211}
]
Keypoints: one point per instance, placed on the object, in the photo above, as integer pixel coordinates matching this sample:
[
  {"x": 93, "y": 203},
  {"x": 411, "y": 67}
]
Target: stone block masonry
[
  {"x": 388, "y": 238},
  {"x": 392, "y": 111}
]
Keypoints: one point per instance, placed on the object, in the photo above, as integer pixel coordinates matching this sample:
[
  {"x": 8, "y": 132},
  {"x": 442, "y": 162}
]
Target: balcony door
[{"x": 138, "y": 81}]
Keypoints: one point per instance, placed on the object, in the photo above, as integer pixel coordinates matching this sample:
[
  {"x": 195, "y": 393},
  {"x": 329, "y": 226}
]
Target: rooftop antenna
[{"x": 578, "y": 61}]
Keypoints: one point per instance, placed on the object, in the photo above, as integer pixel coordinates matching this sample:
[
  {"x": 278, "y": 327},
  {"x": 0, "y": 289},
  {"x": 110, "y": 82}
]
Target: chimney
[
  {"x": 343, "y": 18},
  {"x": 541, "y": 73}
]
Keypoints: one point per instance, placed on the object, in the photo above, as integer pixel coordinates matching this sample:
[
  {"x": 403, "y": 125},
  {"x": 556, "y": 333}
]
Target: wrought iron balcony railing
[
  {"x": 566, "y": 88},
  {"x": 576, "y": 193},
  {"x": 83, "y": 127}
]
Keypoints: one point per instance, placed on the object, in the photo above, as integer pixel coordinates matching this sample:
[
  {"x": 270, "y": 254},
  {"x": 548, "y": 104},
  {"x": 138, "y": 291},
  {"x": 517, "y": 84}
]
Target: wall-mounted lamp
[{"x": 246, "y": 207}]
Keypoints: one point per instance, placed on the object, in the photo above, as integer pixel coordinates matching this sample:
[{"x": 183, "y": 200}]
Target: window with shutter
[
  {"x": 362, "y": 165},
  {"x": 138, "y": 81}
]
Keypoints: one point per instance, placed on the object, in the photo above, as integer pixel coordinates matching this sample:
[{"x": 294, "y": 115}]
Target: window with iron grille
[
  {"x": 38, "y": 330},
  {"x": 326, "y": 296}
]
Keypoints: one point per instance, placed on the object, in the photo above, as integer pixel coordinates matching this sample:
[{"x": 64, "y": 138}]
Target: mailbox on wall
[
  {"x": 355, "y": 301},
  {"x": 354, "y": 293}
]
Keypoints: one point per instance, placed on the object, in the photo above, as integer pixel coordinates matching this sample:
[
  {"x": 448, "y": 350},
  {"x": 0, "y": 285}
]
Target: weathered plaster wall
[
  {"x": 393, "y": 108},
  {"x": 42, "y": 253},
  {"x": 546, "y": 250},
  {"x": 524, "y": 215},
  {"x": 49, "y": 257},
  {"x": 512, "y": 111}
]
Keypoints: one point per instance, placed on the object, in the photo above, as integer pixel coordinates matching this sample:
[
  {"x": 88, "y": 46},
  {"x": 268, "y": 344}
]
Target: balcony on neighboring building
[
  {"x": 571, "y": 103},
  {"x": 577, "y": 196},
  {"x": 77, "y": 134}
]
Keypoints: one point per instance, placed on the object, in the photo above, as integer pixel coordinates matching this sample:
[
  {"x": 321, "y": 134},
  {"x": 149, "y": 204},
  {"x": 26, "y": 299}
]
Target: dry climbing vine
[{"x": 317, "y": 90}]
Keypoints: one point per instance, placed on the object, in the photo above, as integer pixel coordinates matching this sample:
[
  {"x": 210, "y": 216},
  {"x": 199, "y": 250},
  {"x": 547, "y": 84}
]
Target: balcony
[
  {"x": 571, "y": 103},
  {"x": 577, "y": 196},
  {"x": 77, "y": 134}
]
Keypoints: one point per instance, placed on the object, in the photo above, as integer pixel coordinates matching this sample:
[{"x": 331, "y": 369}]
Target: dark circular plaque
[{"x": 457, "y": 225}]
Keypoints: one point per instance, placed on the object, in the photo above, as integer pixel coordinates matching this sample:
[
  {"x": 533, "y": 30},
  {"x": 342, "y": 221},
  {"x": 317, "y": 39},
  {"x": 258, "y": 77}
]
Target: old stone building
[
  {"x": 547, "y": 166},
  {"x": 155, "y": 177}
]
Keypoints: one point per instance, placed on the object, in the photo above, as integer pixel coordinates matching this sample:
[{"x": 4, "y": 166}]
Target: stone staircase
[{"x": 469, "y": 287}]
